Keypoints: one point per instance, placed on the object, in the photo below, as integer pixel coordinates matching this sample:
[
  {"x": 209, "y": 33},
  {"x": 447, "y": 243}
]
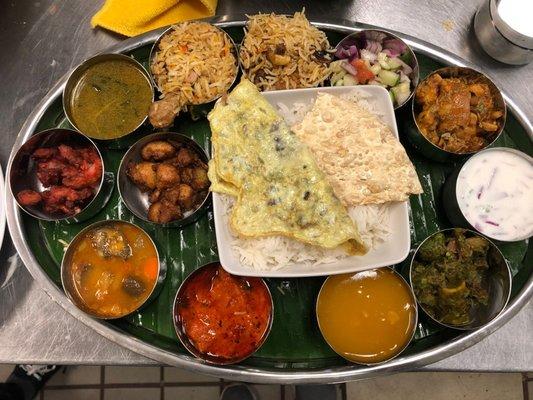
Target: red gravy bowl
[{"x": 222, "y": 318}]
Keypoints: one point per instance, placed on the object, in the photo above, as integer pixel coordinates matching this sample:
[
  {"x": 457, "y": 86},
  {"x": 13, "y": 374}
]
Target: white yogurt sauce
[
  {"x": 517, "y": 14},
  {"x": 495, "y": 193}
]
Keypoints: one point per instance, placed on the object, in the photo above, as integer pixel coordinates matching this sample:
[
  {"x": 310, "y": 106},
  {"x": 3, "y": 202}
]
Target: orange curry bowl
[{"x": 111, "y": 269}]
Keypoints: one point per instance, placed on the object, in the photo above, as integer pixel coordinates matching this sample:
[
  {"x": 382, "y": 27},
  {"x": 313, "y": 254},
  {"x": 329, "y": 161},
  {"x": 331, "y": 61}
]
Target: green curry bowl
[
  {"x": 107, "y": 97},
  {"x": 460, "y": 279}
]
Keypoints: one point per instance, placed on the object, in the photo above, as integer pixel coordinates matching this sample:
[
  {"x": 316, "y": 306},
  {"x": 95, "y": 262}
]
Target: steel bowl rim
[
  {"x": 122, "y": 170},
  {"x": 66, "y": 254},
  {"x": 167, "y": 30},
  {"x": 413, "y": 330},
  {"x": 51, "y": 131},
  {"x": 88, "y": 62},
  {"x": 261, "y": 375},
  {"x": 462, "y": 69},
  {"x": 458, "y": 327},
  {"x": 416, "y": 68},
  {"x": 183, "y": 336},
  {"x": 516, "y": 38},
  {"x": 460, "y": 168}
]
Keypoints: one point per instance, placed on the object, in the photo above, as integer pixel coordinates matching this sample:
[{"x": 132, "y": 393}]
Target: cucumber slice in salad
[
  {"x": 389, "y": 78},
  {"x": 383, "y": 61},
  {"x": 394, "y": 63},
  {"x": 401, "y": 92},
  {"x": 375, "y": 69},
  {"x": 349, "y": 80}
]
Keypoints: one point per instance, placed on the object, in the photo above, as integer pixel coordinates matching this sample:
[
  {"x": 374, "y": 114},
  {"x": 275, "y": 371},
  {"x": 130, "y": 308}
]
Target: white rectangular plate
[{"x": 393, "y": 251}]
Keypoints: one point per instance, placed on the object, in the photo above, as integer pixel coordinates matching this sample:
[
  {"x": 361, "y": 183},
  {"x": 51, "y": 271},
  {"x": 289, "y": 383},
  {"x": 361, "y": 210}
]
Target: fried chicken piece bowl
[
  {"x": 59, "y": 175},
  {"x": 162, "y": 179}
]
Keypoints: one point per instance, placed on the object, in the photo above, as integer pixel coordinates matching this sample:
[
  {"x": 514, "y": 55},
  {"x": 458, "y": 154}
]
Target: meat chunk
[
  {"x": 162, "y": 113},
  {"x": 29, "y": 197},
  {"x": 187, "y": 175},
  {"x": 178, "y": 179},
  {"x": 44, "y": 153},
  {"x": 154, "y": 196},
  {"x": 65, "y": 200},
  {"x": 199, "y": 179},
  {"x": 72, "y": 174},
  {"x": 166, "y": 176},
  {"x": 49, "y": 171},
  {"x": 158, "y": 150},
  {"x": 454, "y": 105},
  {"x": 133, "y": 286},
  {"x": 185, "y": 196},
  {"x": 186, "y": 157},
  {"x": 143, "y": 175},
  {"x": 164, "y": 211},
  {"x": 110, "y": 242},
  {"x": 88, "y": 174}
]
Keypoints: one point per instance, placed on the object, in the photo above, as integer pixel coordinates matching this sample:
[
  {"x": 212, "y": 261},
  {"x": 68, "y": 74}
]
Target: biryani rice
[
  {"x": 288, "y": 36},
  {"x": 195, "y": 61}
]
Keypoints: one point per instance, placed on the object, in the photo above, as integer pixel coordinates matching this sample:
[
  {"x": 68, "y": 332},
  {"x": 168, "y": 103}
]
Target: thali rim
[{"x": 243, "y": 372}]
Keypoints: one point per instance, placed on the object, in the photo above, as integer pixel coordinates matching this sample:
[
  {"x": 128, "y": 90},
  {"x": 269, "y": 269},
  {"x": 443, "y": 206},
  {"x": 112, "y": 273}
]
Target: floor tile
[
  {"x": 316, "y": 392},
  {"x": 290, "y": 392},
  {"x": 181, "y": 375},
  {"x": 71, "y": 394},
  {"x": 76, "y": 375},
  {"x": 132, "y": 374},
  {"x": 192, "y": 393},
  {"x": 133, "y": 394},
  {"x": 5, "y": 371},
  {"x": 439, "y": 386},
  {"x": 267, "y": 391}
]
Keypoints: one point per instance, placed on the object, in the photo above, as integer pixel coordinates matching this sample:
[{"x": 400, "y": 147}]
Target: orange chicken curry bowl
[{"x": 458, "y": 110}]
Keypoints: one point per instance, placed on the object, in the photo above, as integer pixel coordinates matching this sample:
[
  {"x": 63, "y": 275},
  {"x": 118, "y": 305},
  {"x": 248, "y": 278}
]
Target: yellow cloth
[{"x": 133, "y": 17}]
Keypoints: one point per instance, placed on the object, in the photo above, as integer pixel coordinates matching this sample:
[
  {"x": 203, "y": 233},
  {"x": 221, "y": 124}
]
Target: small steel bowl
[
  {"x": 358, "y": 39},
  {"x": 135, "y": 200},
  {"x": 184, "y": 339},
  {"x": 500, "y": 282},
  {"x": 423, "y": 144},
  {"x": 70, "y": 289},
  {"x": 244, "y": 70},
  {"x": 196, "y": 111},
  {"x": 411, "y": 335},
  {"x": 449, "y": 195},
  {"x": 71, "y": 85},
  {"x": 23, "y": 174},
  {"x": 498, "y": 37}
]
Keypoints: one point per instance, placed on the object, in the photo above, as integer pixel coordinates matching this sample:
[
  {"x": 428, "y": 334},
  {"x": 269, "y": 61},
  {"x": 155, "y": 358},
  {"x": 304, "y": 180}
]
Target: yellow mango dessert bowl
[{"x": 367, "y": 317}]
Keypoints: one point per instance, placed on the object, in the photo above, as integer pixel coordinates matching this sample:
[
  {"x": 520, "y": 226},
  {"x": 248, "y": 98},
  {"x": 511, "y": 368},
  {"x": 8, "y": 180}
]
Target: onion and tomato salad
[{"x": 374, "y": 58}]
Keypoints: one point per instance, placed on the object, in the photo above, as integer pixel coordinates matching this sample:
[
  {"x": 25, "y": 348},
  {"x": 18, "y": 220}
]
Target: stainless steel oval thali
[{"x": 238, "y": 372}]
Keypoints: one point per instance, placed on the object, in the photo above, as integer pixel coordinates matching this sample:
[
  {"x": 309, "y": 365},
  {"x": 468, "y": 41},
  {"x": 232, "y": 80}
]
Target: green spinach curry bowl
[
  {"x": 460, "y": 279},
  {"x": 108, "y": 97}
]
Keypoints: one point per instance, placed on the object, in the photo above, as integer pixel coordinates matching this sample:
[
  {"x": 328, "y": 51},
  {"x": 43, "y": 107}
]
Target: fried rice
[
  {"x": 195, "y": 61},
  {"x": 284, "y": 52}
]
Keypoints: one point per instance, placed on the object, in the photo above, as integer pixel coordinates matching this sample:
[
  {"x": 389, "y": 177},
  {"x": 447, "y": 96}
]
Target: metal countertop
[{"x": 43, "y": 39}]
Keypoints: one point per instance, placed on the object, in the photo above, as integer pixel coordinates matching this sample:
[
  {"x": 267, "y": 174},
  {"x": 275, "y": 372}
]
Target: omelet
[
  {"x": 218, "y": 185},
  {"x": 280, "y": 189}
]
